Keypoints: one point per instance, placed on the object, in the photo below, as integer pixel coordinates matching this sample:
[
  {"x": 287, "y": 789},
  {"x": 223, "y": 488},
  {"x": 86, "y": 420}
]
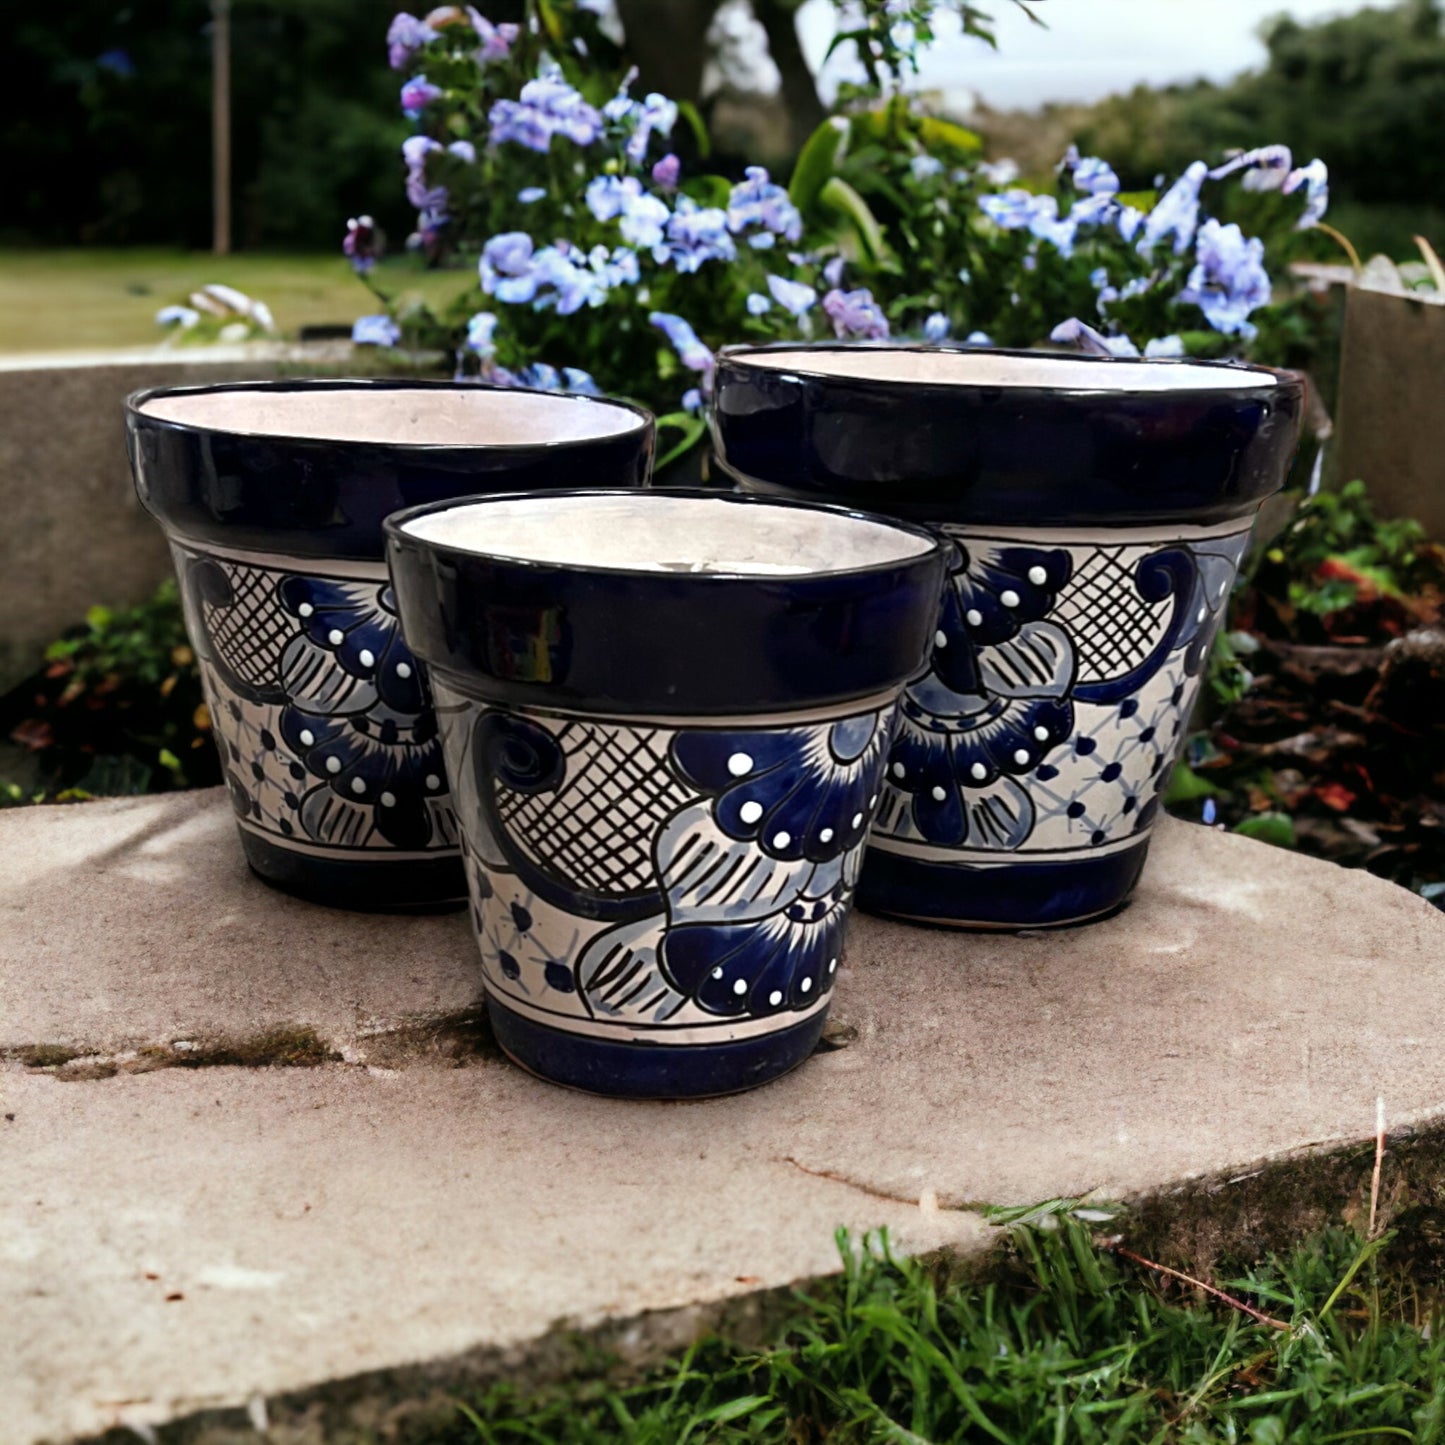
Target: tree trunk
[
  {"x": 800, "y": 91},
  {"x": 666, "y": 40}
]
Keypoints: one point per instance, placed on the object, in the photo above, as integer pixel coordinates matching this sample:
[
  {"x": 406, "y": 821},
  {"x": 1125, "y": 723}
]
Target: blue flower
[
  {"x": 978, "y": 338},
  {"x": 1018, "y": 210},
  {"x": 539, "y": 376},
  {"x": 1091, "y": 341},
  {"x": 370, "y": 744},
  {"x": 793, "y": 296},
  {"x": 1093, "y": 177},
  {"x": 925, "y": 168},
  {"x": 757, "y": 304},
  {"x": 1176, "y": 213},
  {"x": 496, "y": 40},
  {"x": 1315, "y": 178},
  {"x": 405, "y": 37},
  {"x": 575, "y": 379},
  {"x": 654, "y": 115},
  {"x": 117, "y": 62},
  {"x": 692, "y": 400},
  {"x": 1228, "y": 280},
  {"x": 463, "y": 150},
  {"x": 936, "y": 328},
  {"x": 479, "y": 333},
  {"x": 417, "y": 94},
  {"x": 183, "y": 317},
  {"x": 1164, "y": 346},
  {"x": 1129, "y": 219},
  {"x": 697, "y": 234},
  {"x": 1265, "y": 167},
  {"x": 666, "y": 172},
  {"x": 530, "y": 194},
  {"x": 547, "y": 106},
  {"x": 506, "y": 267},
  {"x": 998, "y": 173},
  {"x": 375, "y": 331},
  {"x": 757, "y": 201},
  {"x": 1093, "y": 210},
  {"x": 855, "y": 314},
  {"x": 690, "y": 351},
  {"x": 569, "y": 273},
  {"x": 833, "y": 271}
]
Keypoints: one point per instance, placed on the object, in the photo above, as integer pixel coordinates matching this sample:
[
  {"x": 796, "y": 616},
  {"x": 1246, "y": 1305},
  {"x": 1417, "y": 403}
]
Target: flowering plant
[{"x": 607, "y": 263}]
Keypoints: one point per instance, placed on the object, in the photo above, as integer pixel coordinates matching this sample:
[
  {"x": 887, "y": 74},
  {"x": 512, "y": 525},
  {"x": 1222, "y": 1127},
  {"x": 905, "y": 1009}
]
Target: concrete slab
[{"x": 357, "y": 1215}]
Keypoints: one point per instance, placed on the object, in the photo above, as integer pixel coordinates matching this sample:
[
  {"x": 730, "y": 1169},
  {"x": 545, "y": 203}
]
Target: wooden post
[{"x": 221, "y": 127}]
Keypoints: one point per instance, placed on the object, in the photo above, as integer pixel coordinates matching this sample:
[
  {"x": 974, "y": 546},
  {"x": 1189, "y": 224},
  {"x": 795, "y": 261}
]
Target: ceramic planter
[
  {"x": 1098, "y": 510},
  {"x": 272, "y": 495},
  {"x": 665, "y": 715}
]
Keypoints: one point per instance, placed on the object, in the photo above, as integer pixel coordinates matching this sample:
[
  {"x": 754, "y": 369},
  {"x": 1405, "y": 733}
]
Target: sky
[{"x": 1090, "y": 49}]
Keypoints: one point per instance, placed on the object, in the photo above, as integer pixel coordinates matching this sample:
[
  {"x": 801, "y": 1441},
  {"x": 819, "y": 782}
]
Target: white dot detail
[
  {"x": 403, "y": 669},
  {"x": 1021, "y": 756},
  {"x": 978, "y": 771},
  {"x": 307, "y": 737},
  {"x": 750, "y": 811},
  {"x": 973, "y": 617},
  {"x": 357, "y": 786},
  {"x": 1038, "y": 576},
  {"x": 432, "y": 781},
  {"x": 1201, "y": 614},
  {"x": 336, "y": 637},
  {"x": 306, "y": 609},
  {"x": 776, "y": 997},
  {"x": 806, "y": 985},
  {"x": 781, "y": 840},
  {"x": 899, "y": 771},
  {"x": 717, "y": 972},
  {"x": 740, "y": 987},
  {"x": 857, "y": 820},
  {"x": 388, "y": 800},
  {"x": 1009, "y": 598},
  {"x": 333, "y": 765},
  {"x": 940, "y": 638},
  {"x": 366, "y": 657},
  {"x": 826, "y": 836},
  {"x": 740, "y": 765},
  {"x": 1041, "y": 735},
  {"x": 832, "y": 965},
  {"x": 873, "y": 801},
  {"x": 939, "y": 795}
]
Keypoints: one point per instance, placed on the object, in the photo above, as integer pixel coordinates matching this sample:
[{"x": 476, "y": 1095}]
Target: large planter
[
  {"x": 272, "y": 496},
  {"x": 665, "y": 717},
  {"x": 1098, "y": 510}
]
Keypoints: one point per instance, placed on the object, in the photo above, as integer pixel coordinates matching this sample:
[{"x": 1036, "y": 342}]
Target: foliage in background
[
  {"x": 1071, "y": 1343},
  {"x": 117, "y": 709},
  {"x": 594, "y": 229}
]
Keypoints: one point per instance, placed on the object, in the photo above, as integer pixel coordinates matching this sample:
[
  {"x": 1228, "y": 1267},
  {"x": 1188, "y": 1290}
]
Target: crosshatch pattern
[
  {"x": 251, "y": 633},
  {"x": 1103, "y": 586}
]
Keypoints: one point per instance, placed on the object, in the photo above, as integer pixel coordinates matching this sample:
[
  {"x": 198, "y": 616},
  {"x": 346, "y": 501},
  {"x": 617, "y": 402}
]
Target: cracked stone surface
[{"x": 173, "y": 1238}]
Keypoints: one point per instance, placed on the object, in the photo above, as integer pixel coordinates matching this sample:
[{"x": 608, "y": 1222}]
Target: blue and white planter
[
  {"x": 1096, "y": 512},
  {"x": 272, "y": 496},
  {"x": 666, "y": 717}
]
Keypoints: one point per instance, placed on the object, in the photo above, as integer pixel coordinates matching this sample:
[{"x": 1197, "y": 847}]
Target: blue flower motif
[
  {"x": 855, "y": 315},
  {"x": 357, "y": 720},
  {"x": 1228, "y": 280},
  {"x": 797, "y": 793}
]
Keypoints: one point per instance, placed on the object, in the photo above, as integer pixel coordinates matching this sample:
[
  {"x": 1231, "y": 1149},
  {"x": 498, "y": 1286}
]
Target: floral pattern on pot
[
  {"x": 1062, "y": 676},
  {"x": 682, "y": 884},
  {"x": 326, "y": 732}
]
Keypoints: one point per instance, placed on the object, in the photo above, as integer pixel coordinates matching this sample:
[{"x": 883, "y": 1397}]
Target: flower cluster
[{"x": 602, "y": 260}]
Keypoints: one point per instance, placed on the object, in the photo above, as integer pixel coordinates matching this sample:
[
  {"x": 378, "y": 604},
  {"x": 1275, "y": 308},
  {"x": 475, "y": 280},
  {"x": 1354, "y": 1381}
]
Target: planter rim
[
  {"x": 395, "y": 527},
  {"x": 744, "y": 355},
  {"x": 137, "y": 401}
]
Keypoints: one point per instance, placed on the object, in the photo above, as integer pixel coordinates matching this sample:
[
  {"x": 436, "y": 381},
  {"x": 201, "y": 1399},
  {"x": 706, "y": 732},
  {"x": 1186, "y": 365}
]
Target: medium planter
[
  {"x": 1097, "y": 510},
  {"x": 272, "y": 496},
  {"x": 665, "y": 716}
]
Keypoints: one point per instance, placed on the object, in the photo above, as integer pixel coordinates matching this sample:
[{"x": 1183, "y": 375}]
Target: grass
[
  {"x": 79, "y": 300},
  {"x": 1066, "y": 1341}
]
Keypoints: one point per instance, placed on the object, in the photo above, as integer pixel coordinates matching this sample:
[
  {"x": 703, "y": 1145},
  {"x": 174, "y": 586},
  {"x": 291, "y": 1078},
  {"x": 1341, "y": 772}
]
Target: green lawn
[{"x": 77, "y": 300}]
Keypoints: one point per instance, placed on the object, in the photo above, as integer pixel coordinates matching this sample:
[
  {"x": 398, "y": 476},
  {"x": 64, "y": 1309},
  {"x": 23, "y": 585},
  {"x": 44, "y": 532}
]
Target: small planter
[
  {"x": 272, "y": 495},
  {"x": 665, "y": 716},
  {"x": 1098, "y": 511}
]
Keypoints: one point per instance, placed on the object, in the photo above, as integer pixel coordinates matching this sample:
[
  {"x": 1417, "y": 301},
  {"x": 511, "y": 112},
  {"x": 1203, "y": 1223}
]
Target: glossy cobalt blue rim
[
  {"x": 628, "y": 642},
  {"x": 975, "y": 453},
  {"x": 326, "y": 497}
]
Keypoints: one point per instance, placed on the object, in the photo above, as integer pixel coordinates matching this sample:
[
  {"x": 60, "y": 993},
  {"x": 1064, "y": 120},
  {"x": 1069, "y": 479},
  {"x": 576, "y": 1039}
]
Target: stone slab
[{"x": 357, "y": 1215}]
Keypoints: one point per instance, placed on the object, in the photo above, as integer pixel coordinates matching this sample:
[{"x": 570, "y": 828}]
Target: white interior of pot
[
  {"x": 988, "y": 368},
  {"x": 652, "y": 532},
  {"x": 422, "y": 416}
]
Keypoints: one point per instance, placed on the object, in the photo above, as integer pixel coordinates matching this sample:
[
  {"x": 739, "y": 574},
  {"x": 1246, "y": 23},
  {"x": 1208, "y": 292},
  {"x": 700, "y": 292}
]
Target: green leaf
[
  {"x": 692, "y": 428},
  {"x": 690, "y": 113},
  {"x": 939, "y": 134},
  {"x": 1186, "y": 786},
  {"x": 818, "y": 162},
  {"x": 840, "y": 198},
  {"x": 1275, "y": 828},
  {"x": 98, "y": 618}
]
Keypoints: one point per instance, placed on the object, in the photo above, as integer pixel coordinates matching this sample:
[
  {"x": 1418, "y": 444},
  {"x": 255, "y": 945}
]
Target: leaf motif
[
  {"x": 1038, "y": 662},
  {"x": 620, "y": 977}
]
